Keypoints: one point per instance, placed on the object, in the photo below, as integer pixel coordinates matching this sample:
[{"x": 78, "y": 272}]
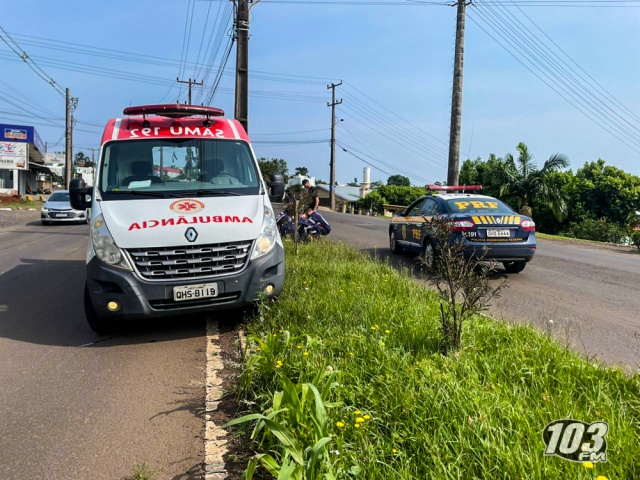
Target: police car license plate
[
  {"x": 498, "y": 233},
  {"x": 195, "y": 292}
]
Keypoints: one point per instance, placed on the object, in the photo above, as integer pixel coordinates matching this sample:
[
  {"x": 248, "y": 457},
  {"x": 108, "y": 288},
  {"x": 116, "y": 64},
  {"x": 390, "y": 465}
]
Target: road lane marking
[{"x": 215, "y": 438}]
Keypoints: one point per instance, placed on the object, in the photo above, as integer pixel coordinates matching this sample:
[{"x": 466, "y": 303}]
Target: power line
[
  {"x": 11, "y": 43},
  {"x": 557, "y": 67},
  {"x": 559, "y": 92}
]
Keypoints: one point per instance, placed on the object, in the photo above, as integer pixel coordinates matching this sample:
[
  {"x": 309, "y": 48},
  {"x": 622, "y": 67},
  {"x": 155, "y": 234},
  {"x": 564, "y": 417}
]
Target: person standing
[{"x": 312, "y": 193}]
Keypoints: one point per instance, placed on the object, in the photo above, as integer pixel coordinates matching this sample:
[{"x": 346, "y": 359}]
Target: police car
[{"x": 483, "y": 225}]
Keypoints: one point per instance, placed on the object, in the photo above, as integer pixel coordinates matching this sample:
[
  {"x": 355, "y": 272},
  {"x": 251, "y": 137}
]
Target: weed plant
[{"x": 398, "y": 408}]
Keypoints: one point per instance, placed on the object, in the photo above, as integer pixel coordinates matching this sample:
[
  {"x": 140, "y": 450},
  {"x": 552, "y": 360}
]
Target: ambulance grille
[{"x": 166, "y": 263}]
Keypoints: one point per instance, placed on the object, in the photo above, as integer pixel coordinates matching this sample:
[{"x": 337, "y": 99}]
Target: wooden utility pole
[
  {"x": 190, "y": 82},
  {"x": 332, "y": 162},
  {"x": 242, "y": 64},
  {"x": 71, "y": 104},
  {"x": 456, "y": 98}
]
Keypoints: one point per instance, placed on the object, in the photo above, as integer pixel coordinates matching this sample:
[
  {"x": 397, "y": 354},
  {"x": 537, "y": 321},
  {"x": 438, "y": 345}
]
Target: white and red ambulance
[{"x": 181, "y": 217}]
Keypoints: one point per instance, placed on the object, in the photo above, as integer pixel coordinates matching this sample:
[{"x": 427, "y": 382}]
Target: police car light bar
[
  {"x": 455, "y": 188},
  {"x": 175, "y": 110}
]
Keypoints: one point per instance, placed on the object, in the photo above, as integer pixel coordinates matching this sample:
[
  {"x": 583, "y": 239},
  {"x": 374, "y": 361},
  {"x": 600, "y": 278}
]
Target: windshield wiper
[
  {"x": 204, "y": 193},
  {"x": 139, "y": 192}
]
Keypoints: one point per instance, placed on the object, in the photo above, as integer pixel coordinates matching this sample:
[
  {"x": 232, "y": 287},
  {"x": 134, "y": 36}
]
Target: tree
[
  {"x": 272, "y": 165},
  {"x": 319, "y": 181},
  {"x": 604, "y": 191},
  {"x": 521, "y": 179},
  {"x": 80, "y": 158},
  {"x": 304, "y": 171},
  {"x": 399, "y": 180}
]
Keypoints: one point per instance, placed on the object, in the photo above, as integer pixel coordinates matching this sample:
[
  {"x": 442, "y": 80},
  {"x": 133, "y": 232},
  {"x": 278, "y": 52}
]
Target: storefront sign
[{"x": 14, "y": 155}]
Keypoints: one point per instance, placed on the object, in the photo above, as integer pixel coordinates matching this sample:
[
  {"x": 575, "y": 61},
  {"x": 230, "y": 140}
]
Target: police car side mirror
[
  {"x": 276, "y": 187},
  {"x": 79, "y": 194}
]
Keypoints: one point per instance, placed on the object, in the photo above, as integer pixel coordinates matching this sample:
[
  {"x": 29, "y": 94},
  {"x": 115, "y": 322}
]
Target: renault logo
[{"x": 191, "y": 234}]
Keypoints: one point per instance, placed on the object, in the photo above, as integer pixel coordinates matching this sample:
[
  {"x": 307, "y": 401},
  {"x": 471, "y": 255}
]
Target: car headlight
[
  {"x": 268, "y": 235},
  {"x": 104, "y": 245}
]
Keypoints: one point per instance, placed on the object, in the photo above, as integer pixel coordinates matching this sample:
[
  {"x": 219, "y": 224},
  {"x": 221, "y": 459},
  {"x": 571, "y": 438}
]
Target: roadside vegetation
[
  {"x": 345, "y": 378},
  {"x": 21, "y": 203}
]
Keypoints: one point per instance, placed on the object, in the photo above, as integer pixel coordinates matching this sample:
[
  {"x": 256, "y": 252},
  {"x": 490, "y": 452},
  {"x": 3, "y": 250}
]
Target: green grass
[
  {"x": 22, "y": 204},
  {"x": 477, "y": 414}
]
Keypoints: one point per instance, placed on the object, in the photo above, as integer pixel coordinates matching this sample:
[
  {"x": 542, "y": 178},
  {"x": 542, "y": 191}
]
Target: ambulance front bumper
[{"x": 134, "y": 298}]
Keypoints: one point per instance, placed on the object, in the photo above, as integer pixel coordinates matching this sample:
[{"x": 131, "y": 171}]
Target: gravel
[{"x": 10, "y": 218}]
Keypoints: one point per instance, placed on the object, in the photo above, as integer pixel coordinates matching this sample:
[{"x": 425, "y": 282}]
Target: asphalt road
[
  {"x": 587, "y": 296},
  {"x": 74, "y": 405}
]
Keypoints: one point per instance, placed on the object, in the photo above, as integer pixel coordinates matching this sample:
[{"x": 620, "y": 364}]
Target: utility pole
[
  {"x": 190, "y": 82},
  {"x": 71, "y": 104},
  {"x": 242, "y": 64},
  {"x": 332, "y": 163},
  {"x": 456, "y": 98},
  {"x": 93, "y": 151}
]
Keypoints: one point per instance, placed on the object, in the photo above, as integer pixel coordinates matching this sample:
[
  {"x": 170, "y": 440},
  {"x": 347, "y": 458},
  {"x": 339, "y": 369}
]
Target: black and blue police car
[{"x": 484, "y": 226}]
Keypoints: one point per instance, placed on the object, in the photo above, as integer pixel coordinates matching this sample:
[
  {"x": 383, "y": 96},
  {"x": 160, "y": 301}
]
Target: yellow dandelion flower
[
  {"x": 299, "y": 346},
  {"x": 357, "y": 425},
  {"x": 359, "y": 420},
  {"x": 387, "y": 331},
  {"x": 366, "y": 417},
  {"x": 393, "y": 450},
  {"x": 339, "y": 424},
  {"x": 601, "y": 477},
  {"x": 281, "y": 331},
  {"x": 357, "y": 412},
  {"x": 382, "y": 344},
  {"x": 341, "y": 290},
  {"x": 305, "y": 353},
  {"x": 588, "y": 464},
  {"x": 351, "y": 353},
  {"x": 278, "y": 366}
]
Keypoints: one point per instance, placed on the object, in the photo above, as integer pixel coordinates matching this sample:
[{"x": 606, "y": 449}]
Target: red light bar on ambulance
[
  {"x": 175, "y": 110},
  {"x": 454, "y": 188}
]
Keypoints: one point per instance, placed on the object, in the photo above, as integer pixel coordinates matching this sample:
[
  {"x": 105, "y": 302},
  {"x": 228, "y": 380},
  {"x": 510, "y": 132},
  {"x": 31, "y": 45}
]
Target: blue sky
[{"x": 395, "y": 61}]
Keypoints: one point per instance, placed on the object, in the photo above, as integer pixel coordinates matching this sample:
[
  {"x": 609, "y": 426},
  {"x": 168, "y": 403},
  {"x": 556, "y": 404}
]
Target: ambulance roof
[{"x": 173, "y": 121}]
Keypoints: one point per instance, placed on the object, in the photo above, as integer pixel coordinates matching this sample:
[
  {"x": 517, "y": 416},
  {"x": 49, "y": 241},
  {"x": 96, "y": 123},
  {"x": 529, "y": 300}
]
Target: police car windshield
[
  {"x": 482, "y": 205},
  {"x": 178, "y": 167}
]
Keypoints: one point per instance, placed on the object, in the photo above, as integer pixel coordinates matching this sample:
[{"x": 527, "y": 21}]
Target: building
[
  {"x": 170, "y": 172},
  {"x": 22, "y": 168}
]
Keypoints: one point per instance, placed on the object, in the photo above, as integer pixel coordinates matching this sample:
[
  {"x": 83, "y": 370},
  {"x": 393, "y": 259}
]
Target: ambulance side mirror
[
  {"x": 79, "y": 194},
  {"x": 276, "y": 187}
]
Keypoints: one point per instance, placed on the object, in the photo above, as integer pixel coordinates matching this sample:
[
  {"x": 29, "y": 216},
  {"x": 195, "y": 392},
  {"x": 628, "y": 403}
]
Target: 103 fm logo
[{"x": 576, "y": 441}]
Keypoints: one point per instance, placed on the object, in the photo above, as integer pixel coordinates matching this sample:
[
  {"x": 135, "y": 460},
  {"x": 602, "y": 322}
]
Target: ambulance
[{"x": 181, "y": 218}]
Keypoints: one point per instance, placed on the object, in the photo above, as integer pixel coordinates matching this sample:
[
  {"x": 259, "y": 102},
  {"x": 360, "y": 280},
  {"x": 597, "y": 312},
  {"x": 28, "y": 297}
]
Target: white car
[{"x": 58, "y": 209}]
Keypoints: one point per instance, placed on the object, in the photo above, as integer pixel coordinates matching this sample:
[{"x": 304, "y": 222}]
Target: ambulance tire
[
  {"x": 393, "y": 243},
  {"x": 97, "y": 324},
  {"x": 514, "y": 267},
  {"x": 429, "y": 255}
]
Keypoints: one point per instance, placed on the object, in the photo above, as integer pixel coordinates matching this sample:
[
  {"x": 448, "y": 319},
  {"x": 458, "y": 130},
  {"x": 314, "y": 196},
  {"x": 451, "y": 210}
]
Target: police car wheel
[
  {"x": 514, "y": 267},
  {"x": 429, "y": 256},
  {"x": 97, "y": 324},
  {"x": 393, "y": 243}
]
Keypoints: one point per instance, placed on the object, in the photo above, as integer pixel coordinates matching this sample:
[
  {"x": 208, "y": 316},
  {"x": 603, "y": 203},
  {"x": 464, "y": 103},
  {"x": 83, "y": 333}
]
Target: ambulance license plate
[
  {"x": 498, "y": 233},
  {"x": 195, "y": 292}
]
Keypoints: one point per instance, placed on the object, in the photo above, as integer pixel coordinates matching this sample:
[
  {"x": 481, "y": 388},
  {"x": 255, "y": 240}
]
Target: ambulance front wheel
[{"x": 97, "y": 324}]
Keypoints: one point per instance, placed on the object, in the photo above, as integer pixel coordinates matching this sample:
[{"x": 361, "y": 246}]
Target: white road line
[{"x": 215, "y": 441}]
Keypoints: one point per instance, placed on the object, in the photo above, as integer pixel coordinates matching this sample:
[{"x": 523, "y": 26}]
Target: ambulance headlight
[
  {"x": 268, "y": 235},
  {"x": 104, "y": 245}
]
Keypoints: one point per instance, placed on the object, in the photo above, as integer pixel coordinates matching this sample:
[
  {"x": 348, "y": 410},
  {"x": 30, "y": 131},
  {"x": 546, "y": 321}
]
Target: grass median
[{"x": 346, "y": 369}]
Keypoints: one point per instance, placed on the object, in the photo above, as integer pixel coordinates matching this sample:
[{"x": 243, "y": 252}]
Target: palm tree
[{"x": 521, "y": 179}]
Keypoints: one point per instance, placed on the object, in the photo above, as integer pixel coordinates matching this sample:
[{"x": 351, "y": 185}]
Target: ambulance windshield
[{"x": 178, "y": 167}]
